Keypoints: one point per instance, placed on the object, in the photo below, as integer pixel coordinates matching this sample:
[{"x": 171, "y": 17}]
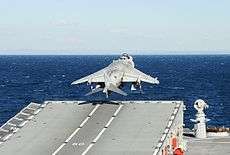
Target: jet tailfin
[{"x": 116, "y": 90}]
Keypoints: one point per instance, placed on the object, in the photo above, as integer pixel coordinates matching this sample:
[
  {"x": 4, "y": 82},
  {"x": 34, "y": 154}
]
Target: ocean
[{"x": 25, "y": 79}]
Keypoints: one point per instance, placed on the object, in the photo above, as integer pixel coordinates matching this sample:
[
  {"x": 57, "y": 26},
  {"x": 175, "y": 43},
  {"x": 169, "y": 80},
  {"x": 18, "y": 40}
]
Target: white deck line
[
  {"x": 7, "y": 137},
  {"x": 102, "y": 131},
  {"x": 26, "y": 114},
  {"x": 71, "y": 136},
  {"x": 118, "y": 110},
  {"x": 1, "y": 129},
  {"x": 23, "y": 123},
  {"x": 59, "y": 148},
  {"x": 20, "y": 119},
  {"x": 92, "y": 112},
  {"x": 12, "y": 124},
  {"x": 76, "y": 131},
  {"x": 109, "y": 122},
  {"x": 99, "y": 135},
  {"x": 87, "y": 149},
  {"x": 31, "y": 108},
  {"x": 83, "y": 123}
]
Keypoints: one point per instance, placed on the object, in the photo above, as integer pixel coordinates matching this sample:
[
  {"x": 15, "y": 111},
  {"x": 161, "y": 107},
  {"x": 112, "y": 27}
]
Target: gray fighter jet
[{"x": 111, "y": 78}]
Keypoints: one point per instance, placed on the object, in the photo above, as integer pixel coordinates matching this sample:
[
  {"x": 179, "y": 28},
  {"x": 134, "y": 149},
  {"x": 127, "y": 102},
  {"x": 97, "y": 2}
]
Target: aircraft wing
[
  {"x": 134, "y": 75},
  {"x": 95, "y": 77}
]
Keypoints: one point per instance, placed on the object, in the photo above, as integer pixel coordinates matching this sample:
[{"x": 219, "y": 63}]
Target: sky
[{"x": 111, "y": 27}]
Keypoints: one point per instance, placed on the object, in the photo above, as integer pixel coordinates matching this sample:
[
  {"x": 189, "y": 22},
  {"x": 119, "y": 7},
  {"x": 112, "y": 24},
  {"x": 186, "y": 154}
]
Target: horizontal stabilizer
[
  {"x": 75, "y": 82},
  {"x": 116, "y": 90},
  {"x": 94, "y": 91}
]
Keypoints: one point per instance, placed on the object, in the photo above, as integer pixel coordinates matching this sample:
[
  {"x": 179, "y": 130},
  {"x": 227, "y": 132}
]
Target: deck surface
[
  {"x": 109, "y": 128},
  {"x": 209, "y": 146}
]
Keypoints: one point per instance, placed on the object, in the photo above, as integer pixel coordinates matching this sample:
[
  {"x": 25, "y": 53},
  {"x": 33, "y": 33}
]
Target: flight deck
[{"x": 97, "y": 127}]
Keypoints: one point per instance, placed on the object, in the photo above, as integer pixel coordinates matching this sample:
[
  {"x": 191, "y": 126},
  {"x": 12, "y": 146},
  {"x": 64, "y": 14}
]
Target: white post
[
  {"x": 200, "y": 121},
  {"x": 200, "y": 126}
]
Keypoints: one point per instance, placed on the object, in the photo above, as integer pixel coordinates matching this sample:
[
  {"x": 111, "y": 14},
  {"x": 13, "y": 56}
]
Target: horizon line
[
  {"x": 113, "y": 52},
  {"x": 213, "y": 54}
]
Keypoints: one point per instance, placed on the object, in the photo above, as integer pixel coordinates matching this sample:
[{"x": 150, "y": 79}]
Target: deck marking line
[
  {"x": 155, "y": 152},
  {"x": 4, "y": 130},
  {"x": 60, "y": 147},
  {"x": 87, "y": 149},
  {"x": 7, "y": 137},
  {"x": 20, "y": 119},
  {"x": 175, "y": 111},
  {"x": 102, "y": 131},
  {"x": 30, "y": 108},
  {"x": 117, "y": 111},
  {"x": 92, "y": 112},
  {"x": 99, "y": 135},
  {"x": 83, "y": 123},
  {"x": 172, "y": 117},
  {"x": 23, "y": 113},
  {"x": 169, "y": 123},
  {"x": 163, "y": 137},
  {"x": 71, "y": 136},
  {"x": 109, "y": 122},
  {"x": 75, "y": 132},
  {"x": 12, "y": 124}
]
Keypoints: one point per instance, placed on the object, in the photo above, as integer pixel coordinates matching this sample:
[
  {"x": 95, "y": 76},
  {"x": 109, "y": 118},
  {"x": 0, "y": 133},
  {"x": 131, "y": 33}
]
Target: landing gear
[{"x": 134, "y": 87}]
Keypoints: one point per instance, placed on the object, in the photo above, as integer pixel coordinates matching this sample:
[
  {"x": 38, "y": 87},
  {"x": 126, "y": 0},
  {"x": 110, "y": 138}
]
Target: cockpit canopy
[
  {"x": 127, "y": 59},
  {"x": 125, "y": 56}
]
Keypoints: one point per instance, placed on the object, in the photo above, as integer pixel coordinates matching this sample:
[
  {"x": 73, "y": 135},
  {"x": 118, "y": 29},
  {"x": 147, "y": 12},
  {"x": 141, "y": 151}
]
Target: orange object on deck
[
  {"x": 178, "y": 151},
  {"x": 174, "y": 143}
]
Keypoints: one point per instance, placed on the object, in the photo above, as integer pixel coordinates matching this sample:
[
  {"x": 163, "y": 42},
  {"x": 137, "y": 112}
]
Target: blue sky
[{"x": 93, "y": 27}]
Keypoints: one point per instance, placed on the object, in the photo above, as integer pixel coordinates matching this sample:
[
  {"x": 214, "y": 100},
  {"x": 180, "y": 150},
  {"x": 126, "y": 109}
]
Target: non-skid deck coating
[
  {"x": 67, "y": 128},
  {"x": 208, "y": 146}
]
